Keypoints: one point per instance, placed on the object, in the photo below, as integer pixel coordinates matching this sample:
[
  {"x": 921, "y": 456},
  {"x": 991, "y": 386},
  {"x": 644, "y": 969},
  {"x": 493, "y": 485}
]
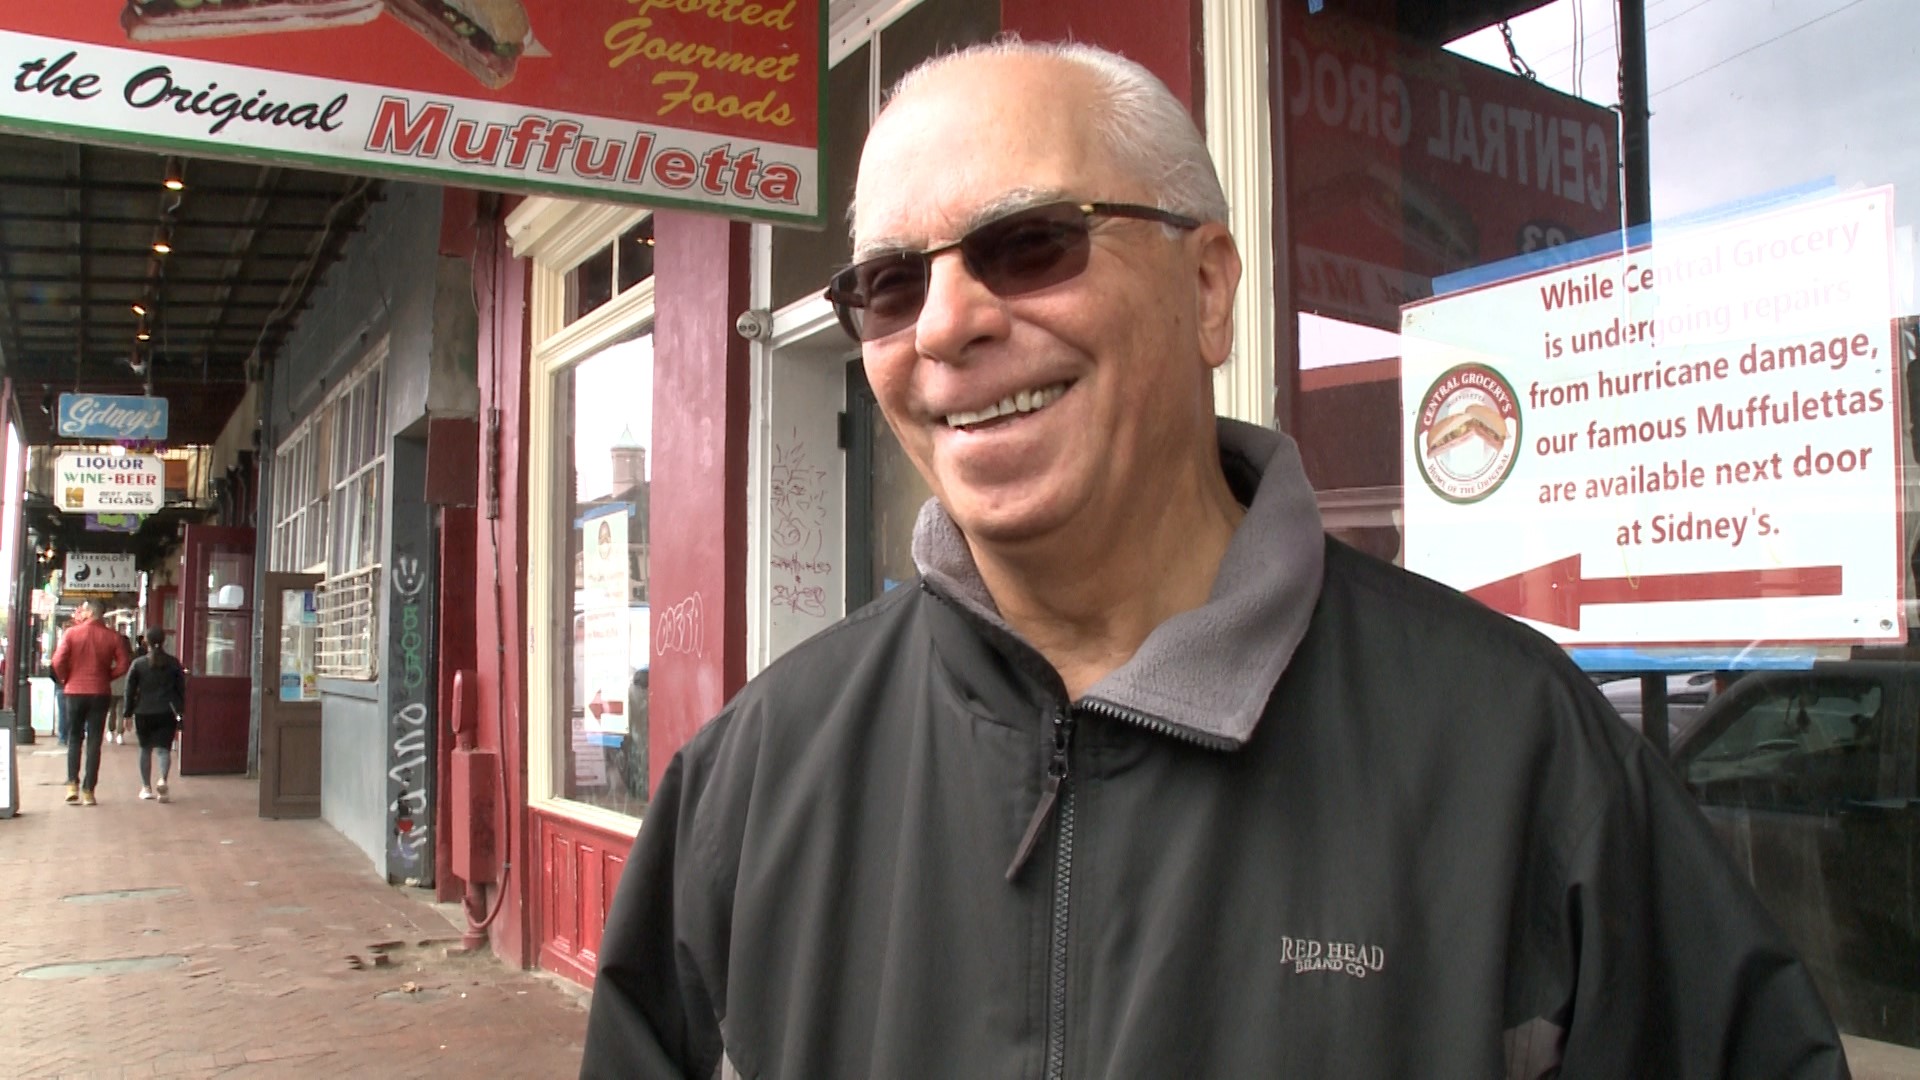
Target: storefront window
[
  {"x": 604, "y": 421},
  {"x": 1606, "y": 317}
]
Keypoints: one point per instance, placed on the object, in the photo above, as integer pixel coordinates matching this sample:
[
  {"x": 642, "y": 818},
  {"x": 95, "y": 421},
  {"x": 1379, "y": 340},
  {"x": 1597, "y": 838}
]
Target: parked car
[
  {"x": 1687, "y": 695},
  {"x": 1809, "y": 778}
]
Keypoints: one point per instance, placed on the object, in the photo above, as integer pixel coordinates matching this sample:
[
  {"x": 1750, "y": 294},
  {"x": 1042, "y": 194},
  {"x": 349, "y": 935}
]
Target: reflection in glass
[
  {"x": 605, "y": 407},
  {"x": 1705, "y": 391},
  {"x": 299, "y": 645},
  {"x": 223, "y": 642}
]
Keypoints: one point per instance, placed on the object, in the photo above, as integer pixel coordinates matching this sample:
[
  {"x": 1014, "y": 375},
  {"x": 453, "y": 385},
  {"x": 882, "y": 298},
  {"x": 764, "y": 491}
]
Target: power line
[{"x": 1756, "y": 46}]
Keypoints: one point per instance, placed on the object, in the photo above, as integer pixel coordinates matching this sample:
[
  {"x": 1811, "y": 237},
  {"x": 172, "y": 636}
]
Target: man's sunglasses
[{"x": 1021, "y": 252}]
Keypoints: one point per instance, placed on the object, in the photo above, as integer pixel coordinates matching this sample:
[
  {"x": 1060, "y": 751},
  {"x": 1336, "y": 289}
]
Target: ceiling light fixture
[{"x": 176, "y": 178}]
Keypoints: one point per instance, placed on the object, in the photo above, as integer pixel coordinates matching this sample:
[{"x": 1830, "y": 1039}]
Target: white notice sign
[
  {"x": 120, "y": 483},
  {"x": 97, "y": 573},
  {"x": 1695, "y": 441}
]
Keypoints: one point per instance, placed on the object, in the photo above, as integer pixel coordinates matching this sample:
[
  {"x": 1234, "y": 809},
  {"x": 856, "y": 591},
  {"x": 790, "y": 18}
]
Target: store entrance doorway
[
  {"x": 290, "y": 698},
  {"x": 216, "y": 646}
]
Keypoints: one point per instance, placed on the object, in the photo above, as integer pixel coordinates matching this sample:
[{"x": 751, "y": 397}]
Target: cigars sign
[{"x": 706, "y": 104}]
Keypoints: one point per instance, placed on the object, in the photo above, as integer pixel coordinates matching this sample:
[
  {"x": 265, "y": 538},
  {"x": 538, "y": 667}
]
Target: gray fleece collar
[{"x": 1206, "y": 673}]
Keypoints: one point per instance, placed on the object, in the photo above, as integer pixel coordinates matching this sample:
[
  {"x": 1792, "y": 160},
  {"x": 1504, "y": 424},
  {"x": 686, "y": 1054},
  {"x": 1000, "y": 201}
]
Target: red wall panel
[
  {"x": 456, "y": 621},
  {"x": 700, "y": 392},
  {"x": 1163, "y": 37},
  {"x": 500, "y": 544},
  {"x": 580, "y": 868}
]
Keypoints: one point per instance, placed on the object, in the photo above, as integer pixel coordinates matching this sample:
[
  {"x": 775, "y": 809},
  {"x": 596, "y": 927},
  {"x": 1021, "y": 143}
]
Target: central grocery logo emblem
[{"x": 1467, "y": 434}]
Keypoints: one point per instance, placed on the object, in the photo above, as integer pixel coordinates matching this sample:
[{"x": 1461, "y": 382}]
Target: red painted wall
[
  {"x": 700, "y": 389},
  {"x": 500, "y": 545},
  {"x": 455, "y": 620},
  {"x": 1163, "y": 37}
]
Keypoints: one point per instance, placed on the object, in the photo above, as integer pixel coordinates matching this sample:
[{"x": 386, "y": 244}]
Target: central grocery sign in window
[
  {"x": 707, "y": 104},
  {"x": 1687, "y": 439}
]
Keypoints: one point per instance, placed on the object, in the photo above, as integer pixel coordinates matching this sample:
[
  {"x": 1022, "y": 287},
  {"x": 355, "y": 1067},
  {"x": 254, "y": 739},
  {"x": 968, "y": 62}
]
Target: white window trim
[
  {"x": 367, "y": 576},
  {"x": 1239, "y": 136},
  {"x": 557, "y": 235}
]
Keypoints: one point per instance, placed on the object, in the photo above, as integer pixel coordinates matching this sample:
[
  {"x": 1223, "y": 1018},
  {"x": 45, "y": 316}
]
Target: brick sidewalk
[{"x": 271, "y": 948}]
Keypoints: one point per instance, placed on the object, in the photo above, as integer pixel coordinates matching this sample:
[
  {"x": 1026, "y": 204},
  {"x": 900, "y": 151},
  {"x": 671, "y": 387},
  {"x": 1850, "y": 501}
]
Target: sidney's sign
[
  {"x": 116, "y": 483},
  {"x": 104, "y": 416},
  {"x": 713, "y": 104}
]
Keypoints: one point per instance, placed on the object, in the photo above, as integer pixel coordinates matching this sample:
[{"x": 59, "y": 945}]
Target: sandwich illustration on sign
[
  {"x": 486, "y": 37},
  {"x": 174, "y": 20},
  {"x": 1475, "y": 422}
]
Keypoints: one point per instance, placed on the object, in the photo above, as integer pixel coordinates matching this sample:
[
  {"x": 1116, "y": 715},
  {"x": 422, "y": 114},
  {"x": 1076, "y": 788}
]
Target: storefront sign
[
  {"x": 116, "y": 523},
  {"x": 1693, "y": 442},
  {"x": 43, "y": 603},
  {"x": 111, "y": 417},
  {"x": 712, "y": 104},
  {"x": 1407, "y": 162},
  {"x": 95, "y": 573},
  {"x": 120, "y": 483}
]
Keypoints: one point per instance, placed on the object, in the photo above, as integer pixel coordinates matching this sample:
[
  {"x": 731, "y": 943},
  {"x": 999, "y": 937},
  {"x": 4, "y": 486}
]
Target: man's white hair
[{"x": 1147, "y": 132}]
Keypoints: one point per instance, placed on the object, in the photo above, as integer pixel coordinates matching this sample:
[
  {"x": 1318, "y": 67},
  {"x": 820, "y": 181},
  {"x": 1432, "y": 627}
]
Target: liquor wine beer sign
[
  {"x": 710, "y": 104},
  {"x": 118, "y": 483}
]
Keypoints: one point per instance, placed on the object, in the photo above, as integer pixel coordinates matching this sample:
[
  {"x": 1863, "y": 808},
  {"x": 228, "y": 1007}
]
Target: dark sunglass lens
[
  {"x": 1030, "y": 250},
  {"x": 890, "y": 291}
]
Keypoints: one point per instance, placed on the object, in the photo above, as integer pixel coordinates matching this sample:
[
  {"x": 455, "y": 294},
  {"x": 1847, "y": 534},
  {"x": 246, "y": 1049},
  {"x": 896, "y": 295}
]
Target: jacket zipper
[{"x": 1056, "y": 802}]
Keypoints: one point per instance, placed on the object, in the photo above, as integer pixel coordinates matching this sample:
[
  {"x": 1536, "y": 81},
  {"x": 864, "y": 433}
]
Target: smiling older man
[{"x": 1147, "y": 778}]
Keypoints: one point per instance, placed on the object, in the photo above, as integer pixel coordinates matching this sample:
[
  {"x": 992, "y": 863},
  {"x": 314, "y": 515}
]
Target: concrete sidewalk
[{"x": 195, "y": 939}]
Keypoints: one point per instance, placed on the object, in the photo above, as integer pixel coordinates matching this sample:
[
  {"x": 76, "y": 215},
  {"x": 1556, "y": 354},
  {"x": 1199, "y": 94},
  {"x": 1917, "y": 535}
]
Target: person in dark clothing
[
  {"x": 89, "y": 658},
  {"x": 156, "y": 699},
  {"x": 119, "y": 721},
  {"x": 1147, "y": 776}
]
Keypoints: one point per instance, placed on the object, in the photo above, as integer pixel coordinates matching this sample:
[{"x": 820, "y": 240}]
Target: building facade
[{"x": 568, "y": 473}]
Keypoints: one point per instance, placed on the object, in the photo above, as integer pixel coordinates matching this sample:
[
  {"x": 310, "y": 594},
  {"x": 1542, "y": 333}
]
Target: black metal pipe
[{"x": 1634, "y": 113}]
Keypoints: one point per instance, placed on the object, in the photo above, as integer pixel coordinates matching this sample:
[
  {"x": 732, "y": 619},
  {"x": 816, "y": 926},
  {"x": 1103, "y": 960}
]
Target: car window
[{"x": 1796, "y": 745}]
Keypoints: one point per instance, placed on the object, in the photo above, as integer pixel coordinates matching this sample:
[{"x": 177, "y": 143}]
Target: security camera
[{"x": 754, "y": 325}]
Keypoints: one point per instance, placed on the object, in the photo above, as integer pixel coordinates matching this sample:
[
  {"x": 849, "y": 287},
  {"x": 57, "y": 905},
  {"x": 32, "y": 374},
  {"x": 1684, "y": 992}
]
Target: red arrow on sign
[{"x": 1555, "y": 593}]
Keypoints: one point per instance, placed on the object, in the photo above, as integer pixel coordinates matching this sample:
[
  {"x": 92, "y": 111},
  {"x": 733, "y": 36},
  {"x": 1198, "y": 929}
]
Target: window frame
[
  {"x": 559, "y": 235},
  {"x": 316, "y": 467}
]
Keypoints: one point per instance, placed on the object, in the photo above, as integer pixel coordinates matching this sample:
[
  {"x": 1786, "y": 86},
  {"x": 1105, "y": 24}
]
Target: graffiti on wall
[
  {"x": 409, "y": 727},
  {"x": 799, "y": 522},
  {"x": 677, "y": 629}
]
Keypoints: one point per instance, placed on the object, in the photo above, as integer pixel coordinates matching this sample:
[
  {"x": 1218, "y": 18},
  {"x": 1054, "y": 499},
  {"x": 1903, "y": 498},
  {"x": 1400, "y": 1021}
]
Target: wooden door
[
  {"x": 289, "y": 698},
  {"x": 216, "y": 646}
]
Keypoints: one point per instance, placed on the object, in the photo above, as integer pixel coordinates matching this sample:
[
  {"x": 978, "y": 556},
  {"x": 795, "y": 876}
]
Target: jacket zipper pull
[{"x": 1049, "y": 795}]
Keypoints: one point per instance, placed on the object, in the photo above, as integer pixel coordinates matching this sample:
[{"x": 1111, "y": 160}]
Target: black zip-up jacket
[
  {"x": 1408, "y": 840},
  {"x": 156, "y": 686}
]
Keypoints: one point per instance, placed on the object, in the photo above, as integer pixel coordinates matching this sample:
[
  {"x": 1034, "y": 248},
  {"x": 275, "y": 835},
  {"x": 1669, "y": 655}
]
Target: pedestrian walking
[
  {"x": 156, "y": 699},
  {"x": 1147, "y": 776},
  {"x": 120, "y": 720},
  {"x": 89, "y": 658}
]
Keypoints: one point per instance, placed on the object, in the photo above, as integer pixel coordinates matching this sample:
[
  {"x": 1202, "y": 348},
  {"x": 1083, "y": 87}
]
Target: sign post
[{"x": 1692, "y": 441}]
